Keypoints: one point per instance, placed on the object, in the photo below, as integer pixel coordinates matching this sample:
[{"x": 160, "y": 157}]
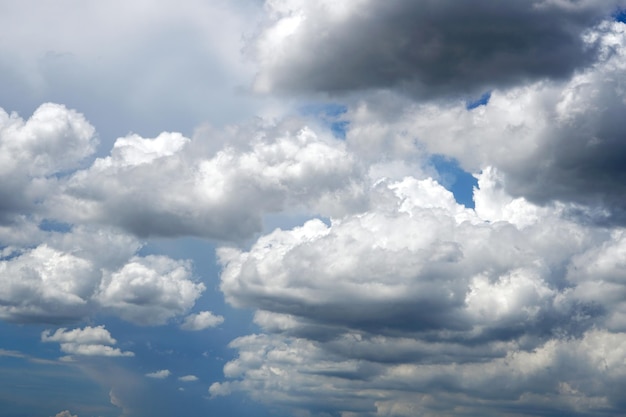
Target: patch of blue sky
[
  {"x": 477, "y": 102},
  {"x": 330, "y": 115},
  {"x": 48, "y": 225},
  {"x": 461, "y": 183},
  {"x": 34, "y": 383},
  {"x": 620, "y": 15},
  {"x": 200, "y": 353}
]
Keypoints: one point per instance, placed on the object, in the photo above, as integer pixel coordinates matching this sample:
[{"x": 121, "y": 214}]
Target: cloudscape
[{"x": 301, "y": 208}]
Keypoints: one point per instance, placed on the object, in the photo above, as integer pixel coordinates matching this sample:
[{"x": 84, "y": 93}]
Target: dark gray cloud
[{"x": 424, "y": 48}]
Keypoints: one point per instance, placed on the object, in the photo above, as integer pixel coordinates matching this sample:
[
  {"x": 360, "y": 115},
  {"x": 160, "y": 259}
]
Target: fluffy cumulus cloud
[
  {"x": 173, "y": 186},
  {"x": 419, "y": 304},
  {"x": 72, "y": 275},
  {"x": 56, "y": 280},
  {"x": 90, "y": 341},
  {"x": 51, "y": 142},
  {"x": 202, "y": 320},
  {"x": 424, "y": 47},
  {"x": 64, "y": 252},
  {"x": 149, "y": 290}
]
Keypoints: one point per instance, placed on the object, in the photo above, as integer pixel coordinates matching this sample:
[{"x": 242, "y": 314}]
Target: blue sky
[{"x": 312, "y": 209}]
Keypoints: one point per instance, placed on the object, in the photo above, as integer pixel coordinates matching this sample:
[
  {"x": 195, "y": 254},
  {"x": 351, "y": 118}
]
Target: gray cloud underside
[{"x": 424, "y": 48}]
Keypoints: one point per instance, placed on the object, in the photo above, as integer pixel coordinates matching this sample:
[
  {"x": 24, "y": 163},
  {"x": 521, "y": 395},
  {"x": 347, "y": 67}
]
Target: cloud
[
  {"x": 72, "y": 275},
  {"x": 202, "y": 320},
  {"x": 425, "y": 48},
  {"x": 188, "y": 378},
  {"x": 149, "y": 290},
  {"x": 548, "y": 141},
  {"x": 90, "y": 341},
  {"x": 65, "y": 413},
  {"x": 422, "y": 264},
  {"x": 52, "y": 141},
  {"x": 561, "y": 376},
  {"x": 416, "y": 304},
  {"x": 44, "y": 279},
  {"x": 166, "y": 186},
  {"x": 162, "y": 374},
  {"x": 171, "y": 186}
]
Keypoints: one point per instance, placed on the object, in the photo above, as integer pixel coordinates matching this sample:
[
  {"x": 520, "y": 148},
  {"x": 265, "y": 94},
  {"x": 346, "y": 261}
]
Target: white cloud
[
  {"x": 188, "y": 378},
  {"x": 162, "y": 374},
  {"x": 218, "y": 389},
  {"x": 46, "y": 282},
  {"x": 202, "y": 320},
  {"x": 90, "y": 341},
  {"x": 149, "y": 290},
  {"x": 72, "y": 275},
  {"x": 88, "y": 336},
  {"x": 171, "y": 186},
  {"x": 53, "y": 140},
  {"x": 65, "y": 413}
]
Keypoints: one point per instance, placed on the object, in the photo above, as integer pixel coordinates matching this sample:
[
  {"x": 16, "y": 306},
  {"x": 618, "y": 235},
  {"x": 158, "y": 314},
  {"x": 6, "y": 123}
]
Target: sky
[{"x": 312, "y": 209}]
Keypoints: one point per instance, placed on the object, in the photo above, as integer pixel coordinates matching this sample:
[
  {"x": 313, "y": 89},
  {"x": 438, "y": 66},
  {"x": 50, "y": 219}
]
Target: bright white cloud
[
  {"x": 202, "y": 320},
  {"x": 90, "y": 341},
  {"x": 188, "y": 378},
  {"x": 88, "y": 336},
  {"x": 52, "y": 141},
  {"x": 45, "y": 282}
]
